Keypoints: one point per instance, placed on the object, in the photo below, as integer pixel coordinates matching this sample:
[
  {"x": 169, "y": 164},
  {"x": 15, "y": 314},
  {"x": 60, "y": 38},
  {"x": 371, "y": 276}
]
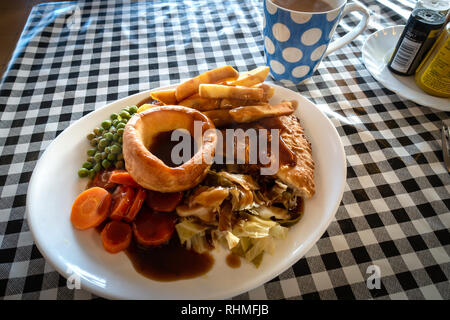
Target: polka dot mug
[{"x": 295, "y": 42}]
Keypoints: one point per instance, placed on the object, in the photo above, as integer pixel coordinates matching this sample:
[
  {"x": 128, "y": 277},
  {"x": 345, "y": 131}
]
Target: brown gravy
[
  {"x": 173, "y": 261},
  {"x": 285, "y": 156},
  {"x": 162, "y": 146},
  {"x": 233, "y": 261},
  {"x": 169, "y": 262},
  {"x": 117, "y": 232},
  {"x": 304, "y": 5},
  {"x": 299, "y": 209}
]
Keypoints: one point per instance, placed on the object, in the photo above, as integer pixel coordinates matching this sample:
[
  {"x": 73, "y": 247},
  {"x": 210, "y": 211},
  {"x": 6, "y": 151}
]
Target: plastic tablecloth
[{"x": 75, "y": 57}]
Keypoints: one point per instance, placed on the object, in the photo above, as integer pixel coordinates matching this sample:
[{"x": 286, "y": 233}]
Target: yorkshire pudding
[{"x": 151, "y": 172}]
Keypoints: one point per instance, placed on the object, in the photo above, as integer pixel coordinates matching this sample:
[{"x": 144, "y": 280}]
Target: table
[{"x": 75, "y": 57}]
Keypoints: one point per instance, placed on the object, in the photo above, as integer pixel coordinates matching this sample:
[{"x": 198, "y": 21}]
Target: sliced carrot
[
  {"x": 90, "y": 208},
  {"x": 164, "y": 202},
  {"x": 136, "y": 206},
  {"x": 152, "y": 228},
  {"x": 122, "y": 177},
  {"x": 102, "y": 180},
  {"x": 116, "y": 236},
  {"x": 123, "y": 198}
]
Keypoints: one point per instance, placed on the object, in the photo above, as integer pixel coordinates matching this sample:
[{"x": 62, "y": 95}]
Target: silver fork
[{"x": 445, "y": 145}]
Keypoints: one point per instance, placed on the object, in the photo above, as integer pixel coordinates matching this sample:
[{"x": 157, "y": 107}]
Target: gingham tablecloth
[{"x": 73, "y": 58}]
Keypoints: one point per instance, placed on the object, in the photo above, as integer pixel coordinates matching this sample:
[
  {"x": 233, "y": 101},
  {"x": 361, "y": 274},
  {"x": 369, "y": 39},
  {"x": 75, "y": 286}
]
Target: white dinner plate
[
  {"x": 376, "y": 52},
  {"x": 54, "y": 186}
]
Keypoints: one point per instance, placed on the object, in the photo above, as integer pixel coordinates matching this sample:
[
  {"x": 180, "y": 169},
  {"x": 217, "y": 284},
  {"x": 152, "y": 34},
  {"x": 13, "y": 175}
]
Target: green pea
[
  {"x": 99, "y": 131},
  {"x": 120, "y": 131},
  {"x": 93, "y": 142},
  {"x": 121, "y": 140},
  {"x": 98, "y": 157},
  {"x": 111, "y": 157},
  {"x": 91, "y": 136},
  {"x": 106, "y": 124},
  {"x": 120, "y": 156},
  {"x": 91, "y": 152},
  {"x": 112, "y": 130},
  {"x": 116, "y": 136},
  {"x": 100, "y": 148},
  {"x": 119, "y": 164},
  {"x": 91, "y": 159},
  {"x": 115, "y": 122},
  {"x": 83, "y": 172},
  {"x": 120, "y": 125},
  {"x": 106, "y": 164},
  {"x": 97, "y": 167},
  {"x": 114, "y": 116},
  {"x": 132, "y": 109},
  {"x": 87, "y": 165},
  {"x": 103, "y": 143},
  {"x": 91, "y": 174},
  {"x": 108, "y": 150},
  {"x": 116, "y": 149},
  {"x": 124, "y": 114},
  {"x": 108, "y": 136},
  {"x": 104, "y": 155}
]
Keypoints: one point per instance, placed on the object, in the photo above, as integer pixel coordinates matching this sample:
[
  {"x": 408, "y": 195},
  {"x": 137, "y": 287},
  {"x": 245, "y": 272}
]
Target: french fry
[
  {"x": 165, "y": 96},
  {"x": 190, "y": 87},
  {"x": 222, "y": 91},
  {"x": 232, "y": 103},
  {"x": 254, "y": 113},
  {"x": 268, "y": 91},
  {"x": 220, "y": 117},
  {"x": 250, "y": 78},
  {"x": 199, "y": 103}
]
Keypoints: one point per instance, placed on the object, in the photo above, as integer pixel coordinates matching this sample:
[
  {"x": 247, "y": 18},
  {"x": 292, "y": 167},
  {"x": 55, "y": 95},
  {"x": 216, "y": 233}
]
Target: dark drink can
[{"x": 420, "y": 33}]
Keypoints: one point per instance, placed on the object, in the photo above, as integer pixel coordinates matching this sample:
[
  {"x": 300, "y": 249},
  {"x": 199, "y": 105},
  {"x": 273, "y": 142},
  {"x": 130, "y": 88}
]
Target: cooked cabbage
[
  {"x": 210, "y": 197},
  {"x": 204, "y": 213},
  {"x": 244, "y": 180},
  {"x": 187, "y": 229},
  {"x": 269, "y": 212},
  {"x": 245, "y": 243},
  {"x": 277, "y": 191},
  {"x": 259, "y": 246},
  {"x": 237, "y": 214},
  {"x": 198, "y": 243},
  {"x": 232, "y": 240},
  {"x": 225, "y": 216},
  {"x": 253, "y": 227},
  {"x": 241, "y": 198},
  {"x": 279, "y": 232}
]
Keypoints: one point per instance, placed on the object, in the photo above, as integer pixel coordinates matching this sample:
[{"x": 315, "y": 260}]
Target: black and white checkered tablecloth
[{"x": 74, "y": 57}]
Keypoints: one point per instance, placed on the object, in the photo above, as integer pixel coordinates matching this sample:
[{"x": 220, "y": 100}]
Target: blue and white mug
[{"x": 295, "y": 42}]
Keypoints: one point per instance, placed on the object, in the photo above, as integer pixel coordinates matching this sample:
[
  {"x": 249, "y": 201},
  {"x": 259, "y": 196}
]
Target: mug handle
[{"x": 339, "y": 43}]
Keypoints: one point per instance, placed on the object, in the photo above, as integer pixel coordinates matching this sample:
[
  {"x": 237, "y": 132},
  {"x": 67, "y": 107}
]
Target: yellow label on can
[
  {"x": 433, "y": 75},
  {"x": 434, "y": 33}
]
